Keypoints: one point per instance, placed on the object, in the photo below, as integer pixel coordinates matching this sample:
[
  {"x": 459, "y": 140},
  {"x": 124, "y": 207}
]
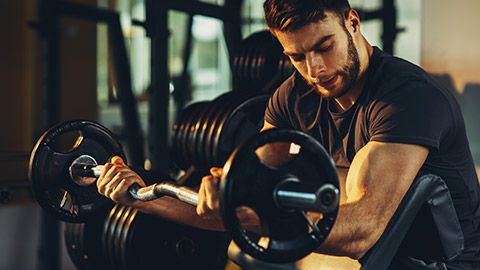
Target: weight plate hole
[
  {"x": 253, "y": 226},
  {"x": 68, "y": 141},
  {"x": 62, "y": 200},
  {"x": 277, "y": 154}
]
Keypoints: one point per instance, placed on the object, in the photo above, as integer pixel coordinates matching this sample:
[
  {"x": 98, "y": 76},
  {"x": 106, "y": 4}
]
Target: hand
[
  {"x": 115, "y": 180},
  {"x": 209, "y": 194}
]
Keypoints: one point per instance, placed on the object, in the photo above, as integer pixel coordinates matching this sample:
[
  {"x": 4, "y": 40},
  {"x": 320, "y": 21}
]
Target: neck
[{"x": 346, "y": 101}]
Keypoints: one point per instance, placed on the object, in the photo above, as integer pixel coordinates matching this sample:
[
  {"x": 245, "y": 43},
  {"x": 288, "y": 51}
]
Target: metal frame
[
  {"x": 388, "y": 14},
  {"x": 156, "y": 25},
  {"x": 48, "y": 26}
]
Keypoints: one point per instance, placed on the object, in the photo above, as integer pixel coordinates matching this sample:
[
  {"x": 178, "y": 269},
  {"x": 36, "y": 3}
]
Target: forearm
[
  {"x": 354, "y": 233},
  {"x": 174, "y": 210}
]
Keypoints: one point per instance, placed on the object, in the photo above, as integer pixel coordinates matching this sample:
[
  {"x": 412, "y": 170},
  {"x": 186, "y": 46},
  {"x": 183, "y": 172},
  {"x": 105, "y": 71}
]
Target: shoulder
[{"x": 393, "y": 77}]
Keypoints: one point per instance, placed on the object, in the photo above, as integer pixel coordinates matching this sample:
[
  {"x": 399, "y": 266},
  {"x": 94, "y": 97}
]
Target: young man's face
[{"x": 325, "y": 55}]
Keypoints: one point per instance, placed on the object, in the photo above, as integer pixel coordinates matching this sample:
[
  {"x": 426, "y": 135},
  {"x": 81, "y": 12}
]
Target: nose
[{"x": 315, "y": 66}]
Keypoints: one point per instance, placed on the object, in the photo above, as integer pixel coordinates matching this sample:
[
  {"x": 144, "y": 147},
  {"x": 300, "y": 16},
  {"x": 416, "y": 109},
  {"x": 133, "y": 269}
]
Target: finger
[
  {"x": 116, "y": 180},
  {"x": 102, "y": 180},
  {"x": 209, "y": 198},
  {"x": 211, "y": 189},
  {"x": 201, "y": 199},
  {"x": 204, "y": 197},
  {"x": 111, "y": 178},
  {"x": 118, "y": 160},
  {"x": 216, "y": 172},
  {"x": 120, "y": 193},
  {"x": 211, "y": 185}
]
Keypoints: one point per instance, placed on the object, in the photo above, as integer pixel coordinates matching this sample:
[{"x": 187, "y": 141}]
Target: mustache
[{"x": 320, "y": 80}]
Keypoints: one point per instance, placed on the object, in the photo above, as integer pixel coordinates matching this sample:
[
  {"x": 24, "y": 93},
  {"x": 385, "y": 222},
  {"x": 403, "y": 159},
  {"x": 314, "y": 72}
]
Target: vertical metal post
[
  {"x": 389, "y": 17},
  {"x": 182, "y": 85},
  {"x": 232, "y": 27},
  {"x": 49, "y": 246},
  {"x": 133, "y": 132},
  {"x": 159, "y": 90}
]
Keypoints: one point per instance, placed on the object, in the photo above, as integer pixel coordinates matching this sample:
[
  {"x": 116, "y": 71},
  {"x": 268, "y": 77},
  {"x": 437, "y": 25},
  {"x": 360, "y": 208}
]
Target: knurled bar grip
[
  {"x": 323, "y": 200},
  {"x": 155, "y": 191}
]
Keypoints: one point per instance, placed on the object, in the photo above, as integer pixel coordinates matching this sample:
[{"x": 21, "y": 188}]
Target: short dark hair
[{"x": 290, "y": 15}]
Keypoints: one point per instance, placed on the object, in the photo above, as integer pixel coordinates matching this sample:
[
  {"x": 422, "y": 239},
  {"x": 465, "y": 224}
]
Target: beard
[{"x": 348, "y": 73}]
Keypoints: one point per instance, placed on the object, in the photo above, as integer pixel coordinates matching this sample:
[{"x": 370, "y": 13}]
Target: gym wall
[{"x": 450, "y": 51}]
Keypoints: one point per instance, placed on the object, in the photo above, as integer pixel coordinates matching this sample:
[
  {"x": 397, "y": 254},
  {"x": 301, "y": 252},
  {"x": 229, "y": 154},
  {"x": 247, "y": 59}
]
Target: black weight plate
[
  {"x": 219, "y": 106},
  {"x": 178, "y": 128},
  {"x": 238, "y": 60},
  {"x": 180, "y": 135},
  {"x": 227, "y": 106},
  {"x": 260, "y": 63},
  {"x": 272, "y": 55},
  {"x": 193, "y": 135},
  {"x": 49, "y": 169},
  {"x": 82, "y": 243},
  {"x": 252, "y": 68},
  {"x": 110, "y": 237},
  {"x": 71, "y": 243},
  {"x": 220, "y": 125},
  {"x": 189, "y": 129},
  {"x": 179, "y": 151},
  {"x": 149, "y": 242},
  {"x": 250, "y": 181},
  {"x": 245, "y": 121},
  {"x": 117, "y": 240},
  {"x": 212, "y": 110},
  {"x": 106, "y": 233},
  {"x": 125, "y": 239},
  {"x": 251, "y": 44},
  {"x": 266, "y": 49}
]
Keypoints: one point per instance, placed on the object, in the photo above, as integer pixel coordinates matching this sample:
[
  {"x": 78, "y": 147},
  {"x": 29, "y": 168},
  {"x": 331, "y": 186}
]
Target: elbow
[
  {"x": 358, "y": 253},
  {"x": 362, "y": 244},
  {"x": 358, "y": 250}
]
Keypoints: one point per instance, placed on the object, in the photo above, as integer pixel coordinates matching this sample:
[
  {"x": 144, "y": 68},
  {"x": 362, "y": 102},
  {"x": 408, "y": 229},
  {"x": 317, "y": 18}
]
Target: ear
[{"x": 352, "y": 21}]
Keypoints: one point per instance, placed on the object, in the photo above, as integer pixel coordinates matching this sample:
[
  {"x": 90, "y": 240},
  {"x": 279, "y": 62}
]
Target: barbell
[{"x": 278, "y": 174}]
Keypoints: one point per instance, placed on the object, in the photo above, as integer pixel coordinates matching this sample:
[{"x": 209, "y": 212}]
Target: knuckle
[
  {"x": 129, "y": 181},
  {"x": 115, "y": 196},
  {"x": 206, "y": 179},
  {"x": 119, "y": 176}
]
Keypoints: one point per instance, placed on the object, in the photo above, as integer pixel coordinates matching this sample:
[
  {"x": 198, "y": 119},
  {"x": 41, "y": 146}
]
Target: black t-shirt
[{"x": 400, "y": 103}]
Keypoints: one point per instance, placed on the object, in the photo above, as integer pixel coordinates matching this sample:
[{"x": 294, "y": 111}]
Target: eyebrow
[{"x": 316, "y": 45}]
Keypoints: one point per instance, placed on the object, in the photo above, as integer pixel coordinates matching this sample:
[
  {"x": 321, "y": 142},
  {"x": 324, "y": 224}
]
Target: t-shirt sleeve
[{"x": 413, "y": 113}]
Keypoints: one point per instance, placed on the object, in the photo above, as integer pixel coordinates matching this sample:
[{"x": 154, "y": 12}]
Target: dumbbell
[{"x": 279, "y": 174}]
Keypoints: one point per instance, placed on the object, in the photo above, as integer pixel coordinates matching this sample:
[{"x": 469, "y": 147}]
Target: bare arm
[
  {"x": 379, "y": 177},
  {"x": 114, "y": 181}
]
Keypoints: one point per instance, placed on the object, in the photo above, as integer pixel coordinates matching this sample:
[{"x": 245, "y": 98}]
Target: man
[{"x": 381, "y": 119}]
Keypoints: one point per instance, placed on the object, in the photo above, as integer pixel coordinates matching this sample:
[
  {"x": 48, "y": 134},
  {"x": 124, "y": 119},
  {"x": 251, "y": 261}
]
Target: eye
[
  {"x": 324, "y": 48},
  {"x": 296, "y": 57}
]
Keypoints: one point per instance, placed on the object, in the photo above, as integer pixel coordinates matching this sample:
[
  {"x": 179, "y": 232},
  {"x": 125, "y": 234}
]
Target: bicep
[{"x": 381, "y": 173}]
